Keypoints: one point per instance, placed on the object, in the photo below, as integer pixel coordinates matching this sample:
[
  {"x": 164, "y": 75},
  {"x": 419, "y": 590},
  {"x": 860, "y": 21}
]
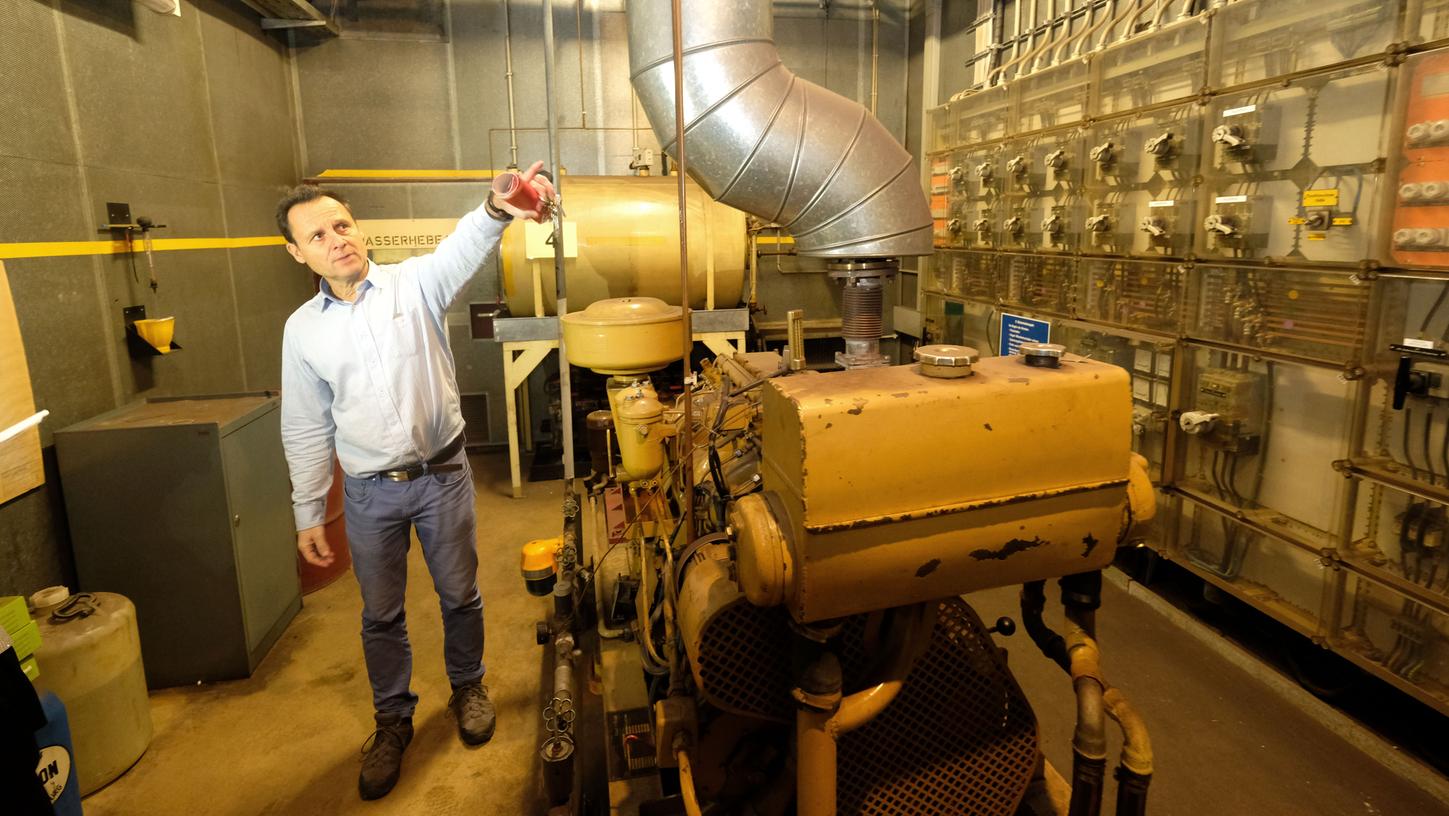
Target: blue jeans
[{"x": 380, "y": 514}]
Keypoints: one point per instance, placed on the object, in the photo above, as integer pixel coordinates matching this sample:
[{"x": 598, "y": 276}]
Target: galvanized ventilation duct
[{"x": 765, "y": 141}]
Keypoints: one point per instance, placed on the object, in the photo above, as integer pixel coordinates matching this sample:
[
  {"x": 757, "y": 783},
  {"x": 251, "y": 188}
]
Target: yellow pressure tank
[{"x": 628, "y": 245}]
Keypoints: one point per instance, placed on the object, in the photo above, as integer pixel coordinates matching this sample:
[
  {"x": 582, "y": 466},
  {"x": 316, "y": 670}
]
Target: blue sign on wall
[{"x": 1016, "y": 330}]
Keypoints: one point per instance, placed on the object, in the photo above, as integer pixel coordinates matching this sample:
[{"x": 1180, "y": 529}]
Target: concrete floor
[
  {"x": 1224, "y": 742},
  {"x": 286, "y": 740}
]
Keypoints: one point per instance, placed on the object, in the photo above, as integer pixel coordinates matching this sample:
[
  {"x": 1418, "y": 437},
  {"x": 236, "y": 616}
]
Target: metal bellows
[{"x": 772, "y": 144}]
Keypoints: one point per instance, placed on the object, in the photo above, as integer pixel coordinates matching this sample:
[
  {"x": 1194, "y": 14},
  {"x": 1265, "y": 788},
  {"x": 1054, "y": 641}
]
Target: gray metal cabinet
[{"x": 184, "y": 506}]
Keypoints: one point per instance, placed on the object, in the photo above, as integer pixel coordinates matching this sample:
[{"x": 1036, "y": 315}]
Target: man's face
[{"x": 327, "y": 239}]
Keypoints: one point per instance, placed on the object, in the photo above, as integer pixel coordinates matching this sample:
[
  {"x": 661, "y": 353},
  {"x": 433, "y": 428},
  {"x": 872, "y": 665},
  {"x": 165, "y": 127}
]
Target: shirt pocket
[{"x": 405, "y": 335}]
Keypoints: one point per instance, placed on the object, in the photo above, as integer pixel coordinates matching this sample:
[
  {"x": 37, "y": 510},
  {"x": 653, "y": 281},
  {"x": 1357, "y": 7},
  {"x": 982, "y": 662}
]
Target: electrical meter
[{"x": 1229, "y": 409}]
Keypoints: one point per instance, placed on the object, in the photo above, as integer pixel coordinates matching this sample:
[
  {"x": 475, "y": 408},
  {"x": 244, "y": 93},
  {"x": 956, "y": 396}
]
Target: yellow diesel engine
[{"x": 770, "y": 570}]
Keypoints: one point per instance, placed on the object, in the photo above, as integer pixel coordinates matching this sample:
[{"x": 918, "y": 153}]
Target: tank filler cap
[
  {"x": 1042, "y": 355},
  {"x": 50, "y": 596},
  {"x": 946, "y": 361}
]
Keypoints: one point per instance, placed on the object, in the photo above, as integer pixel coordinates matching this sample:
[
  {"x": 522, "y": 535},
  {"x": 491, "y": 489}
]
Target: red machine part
[{"x": 1421, "y": 211}]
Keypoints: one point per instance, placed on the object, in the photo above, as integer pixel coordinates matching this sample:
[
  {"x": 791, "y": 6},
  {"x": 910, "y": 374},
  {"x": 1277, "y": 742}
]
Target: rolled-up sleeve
[{"x": 308, "y": 432}]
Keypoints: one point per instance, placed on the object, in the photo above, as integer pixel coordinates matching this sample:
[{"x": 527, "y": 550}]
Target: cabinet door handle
[{"x": 236, "y": 521}]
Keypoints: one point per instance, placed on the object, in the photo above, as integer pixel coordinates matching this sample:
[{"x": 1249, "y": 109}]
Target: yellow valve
[{"x": 540, "y": 565}]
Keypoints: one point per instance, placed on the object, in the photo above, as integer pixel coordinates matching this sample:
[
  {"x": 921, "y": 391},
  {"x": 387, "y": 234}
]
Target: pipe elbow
[
  {"x": 1136, "y": 744},
  {"x": 770, "y": 143}
]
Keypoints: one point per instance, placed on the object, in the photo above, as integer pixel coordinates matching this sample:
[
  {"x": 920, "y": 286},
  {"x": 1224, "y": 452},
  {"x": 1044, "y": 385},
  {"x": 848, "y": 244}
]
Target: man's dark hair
[{"x": 301, "y": 194}]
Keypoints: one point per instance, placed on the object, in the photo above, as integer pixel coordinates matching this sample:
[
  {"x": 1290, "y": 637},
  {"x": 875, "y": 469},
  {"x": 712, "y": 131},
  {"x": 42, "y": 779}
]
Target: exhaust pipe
[{"x": 765, "y": 141}]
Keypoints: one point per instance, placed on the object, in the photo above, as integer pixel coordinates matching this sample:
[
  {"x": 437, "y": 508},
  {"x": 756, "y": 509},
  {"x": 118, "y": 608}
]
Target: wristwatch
[{"x": 495, "y": 213}]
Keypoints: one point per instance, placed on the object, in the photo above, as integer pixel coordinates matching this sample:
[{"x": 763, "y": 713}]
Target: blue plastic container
[{"x": 57, "y": 760}]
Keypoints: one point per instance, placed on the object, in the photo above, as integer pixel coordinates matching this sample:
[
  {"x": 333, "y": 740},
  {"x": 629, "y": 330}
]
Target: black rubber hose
[
  {"x": 1131, "y": 792},
  {"x": 1051, "y": 644}
]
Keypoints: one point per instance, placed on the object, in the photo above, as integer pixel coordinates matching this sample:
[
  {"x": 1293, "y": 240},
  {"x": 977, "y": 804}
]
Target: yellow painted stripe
[
  {"x": 60, "y": 249},
  {"x": 482, "y": 175},
  {"x": 768, "y": 240}
]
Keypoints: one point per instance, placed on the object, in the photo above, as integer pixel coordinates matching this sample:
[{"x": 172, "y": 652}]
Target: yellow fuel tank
[
  {"x": 886, "y": 487},
  {"x": 628, "y": 245}
]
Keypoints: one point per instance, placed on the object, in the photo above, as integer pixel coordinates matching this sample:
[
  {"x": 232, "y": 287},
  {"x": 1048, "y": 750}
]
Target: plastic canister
[
  {"x": 57, "y": 768},
  {"x": 90, "y": 657}
]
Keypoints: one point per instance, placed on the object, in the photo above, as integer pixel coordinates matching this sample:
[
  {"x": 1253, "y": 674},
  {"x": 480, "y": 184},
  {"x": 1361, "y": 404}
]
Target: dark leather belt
[{"x": 437, "y": 464}]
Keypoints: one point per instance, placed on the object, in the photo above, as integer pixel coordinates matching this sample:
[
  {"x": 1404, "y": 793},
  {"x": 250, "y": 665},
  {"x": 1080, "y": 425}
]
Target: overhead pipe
[
  {"x": 770, "y": 143},
  {"x": 508, "y": 74}
]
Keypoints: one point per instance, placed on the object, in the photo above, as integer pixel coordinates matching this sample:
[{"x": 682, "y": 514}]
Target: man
[{"x": 367, "y": 372}]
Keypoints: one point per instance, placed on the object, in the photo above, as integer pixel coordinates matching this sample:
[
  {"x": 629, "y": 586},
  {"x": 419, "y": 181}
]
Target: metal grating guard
[
  {"x": 960, "y": 739},
  {"x": 744, "y": 661}
]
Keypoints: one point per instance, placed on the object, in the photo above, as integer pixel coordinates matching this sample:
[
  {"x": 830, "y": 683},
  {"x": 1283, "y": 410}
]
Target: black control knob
[
  {"x": 1408, "y": 381},
  {"x": 1006, "y": 627}
]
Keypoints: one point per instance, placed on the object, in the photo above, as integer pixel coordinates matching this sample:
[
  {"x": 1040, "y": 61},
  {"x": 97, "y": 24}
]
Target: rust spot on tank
[
  {"x": 1022, "y": 380},
  {"x": 988, "y": 427},
  {"x": 1091, "y": 542},
  {"x": 859, "y": 407},
  {"x": 829, "y": 425},
  {"x": 1008, "y": 549},
  {"x": 901, "y": 395},
  {"x": 928, "y": 568}
]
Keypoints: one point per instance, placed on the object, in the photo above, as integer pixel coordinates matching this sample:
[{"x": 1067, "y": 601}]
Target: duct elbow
[{"x": 770, "y": 143}]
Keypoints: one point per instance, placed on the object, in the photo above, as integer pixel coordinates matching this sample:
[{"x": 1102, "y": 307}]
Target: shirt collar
[{"x": 372, "y": 281}]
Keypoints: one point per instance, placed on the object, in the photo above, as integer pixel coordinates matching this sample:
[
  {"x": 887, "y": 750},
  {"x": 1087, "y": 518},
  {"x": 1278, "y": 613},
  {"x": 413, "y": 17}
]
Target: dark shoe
[
  {"x": 474, "y": 711},
  {"x": 382, "y": 755}
]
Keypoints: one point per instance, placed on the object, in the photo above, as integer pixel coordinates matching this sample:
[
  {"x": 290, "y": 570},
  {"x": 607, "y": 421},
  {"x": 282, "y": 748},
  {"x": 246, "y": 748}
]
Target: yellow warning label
[
  {"x": 1320, "y": 198},
  {"x": 1316, "y": 236},
  {"x": 1297, "y": 221},
  {"x": 1343, "y": 221}
]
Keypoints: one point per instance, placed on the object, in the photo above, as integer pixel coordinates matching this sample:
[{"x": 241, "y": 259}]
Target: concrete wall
[{"x": 190, "y": 121}]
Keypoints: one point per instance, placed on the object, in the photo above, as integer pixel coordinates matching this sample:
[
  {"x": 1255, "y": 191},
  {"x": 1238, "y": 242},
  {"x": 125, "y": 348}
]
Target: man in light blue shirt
[{"x": 367, "y": 373}]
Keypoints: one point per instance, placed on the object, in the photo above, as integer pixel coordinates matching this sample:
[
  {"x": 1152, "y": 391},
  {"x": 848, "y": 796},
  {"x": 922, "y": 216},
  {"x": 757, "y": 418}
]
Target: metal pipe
[
  {"x": 558, "y": 747},
  {"x": 912, "y": 638},
  {"x": 874, "y": 52},
  {"x": 815, "y": 763},
  {"x": 773, "y": 144},
  {"x": 677, "y": 61},
  {"x": 508, "y": 73},
  {"x": 560, "y": 279},
  {"x": 579, "y": 29},
  {"x": 823, "y": 715},
  {"x": 1089, "y": 739},
  {"x": 795, "y": 338}
]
